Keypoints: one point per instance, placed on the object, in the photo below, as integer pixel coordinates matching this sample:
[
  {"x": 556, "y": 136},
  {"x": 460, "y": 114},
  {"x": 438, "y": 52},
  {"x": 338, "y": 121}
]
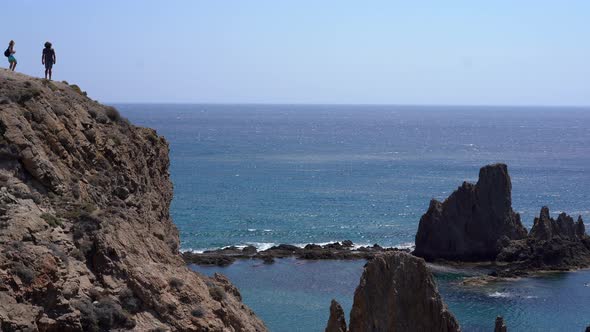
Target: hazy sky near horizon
[{"x": 501, "y": 52}]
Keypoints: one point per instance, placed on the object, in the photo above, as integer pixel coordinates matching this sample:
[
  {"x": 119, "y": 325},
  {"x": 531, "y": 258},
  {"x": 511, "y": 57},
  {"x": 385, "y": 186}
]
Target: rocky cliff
[
  {"x": 469, "y": 223},
  {"x": 86, "y": 239},
  {"x": 396, "y": 293}
]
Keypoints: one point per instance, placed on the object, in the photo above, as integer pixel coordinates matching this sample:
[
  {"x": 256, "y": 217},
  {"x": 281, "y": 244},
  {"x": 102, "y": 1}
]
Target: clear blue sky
[{"x": 496, "y": 52}]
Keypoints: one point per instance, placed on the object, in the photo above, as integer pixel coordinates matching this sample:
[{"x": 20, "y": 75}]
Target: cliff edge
[{"x": 86, "y": 239}]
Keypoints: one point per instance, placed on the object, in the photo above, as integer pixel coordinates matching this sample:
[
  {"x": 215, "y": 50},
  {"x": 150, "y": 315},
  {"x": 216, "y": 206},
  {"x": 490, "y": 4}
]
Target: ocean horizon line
[{"x": 491, "y": 106}]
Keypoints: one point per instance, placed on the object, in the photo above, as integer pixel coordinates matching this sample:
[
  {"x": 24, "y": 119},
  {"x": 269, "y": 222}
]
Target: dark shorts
[{"x": 48, "y": 64}]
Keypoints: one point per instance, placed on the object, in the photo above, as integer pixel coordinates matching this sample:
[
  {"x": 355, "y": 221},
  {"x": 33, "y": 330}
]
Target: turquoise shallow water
[
  {"x": 294, "y": 295},
  {"x": 261, "y": 175}
]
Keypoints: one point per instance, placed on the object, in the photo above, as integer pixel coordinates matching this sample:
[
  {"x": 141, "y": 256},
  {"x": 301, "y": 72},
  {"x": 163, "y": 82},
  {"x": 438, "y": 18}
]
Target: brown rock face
[
  {"x": 86, "y": 239},
  {"x": 336, "y": 322},
  {"x": 469, "y": 223},
  {"x": 398, "y": 293}
]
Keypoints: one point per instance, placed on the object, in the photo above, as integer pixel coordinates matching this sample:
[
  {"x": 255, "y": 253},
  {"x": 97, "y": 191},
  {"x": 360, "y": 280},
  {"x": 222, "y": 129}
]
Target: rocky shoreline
[
  {"x": 498, "y": 270},
  {"x": 334, "y": 251}
]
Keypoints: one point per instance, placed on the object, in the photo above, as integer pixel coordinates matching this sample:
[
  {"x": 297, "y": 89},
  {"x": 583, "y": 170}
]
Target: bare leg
[
  {"x": 46, "y": 70},
  {"x": 50, "y": 74}
]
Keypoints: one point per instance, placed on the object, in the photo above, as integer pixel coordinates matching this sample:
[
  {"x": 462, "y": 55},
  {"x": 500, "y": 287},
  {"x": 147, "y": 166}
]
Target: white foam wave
[
  {"x": 261, "y": 246},
  {"x": 500, "y": 294},
  {"x": 196, "y": 251},
  {"x": 406, "y": 245},
  {"x": 256, "y": 230}
]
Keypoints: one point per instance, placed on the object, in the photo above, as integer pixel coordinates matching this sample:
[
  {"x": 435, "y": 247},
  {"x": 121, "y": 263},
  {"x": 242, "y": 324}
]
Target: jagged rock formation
[
  {"x": 560, "y": 244},
  {"x": 336, "y": 322},
  {"x": 477, "y": 223},
  {"x": 469, "y": 223},
  {"x": 86, "y": 239},
  {"x": 397, "y": 293},
  {"x": 547, "y": 228}
]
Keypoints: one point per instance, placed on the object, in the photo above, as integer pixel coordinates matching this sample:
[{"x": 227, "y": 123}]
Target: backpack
[{"x": 7, "y": 52}]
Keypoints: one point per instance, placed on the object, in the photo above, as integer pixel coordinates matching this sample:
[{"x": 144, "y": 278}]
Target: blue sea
[{"x": 268, "y": 174}]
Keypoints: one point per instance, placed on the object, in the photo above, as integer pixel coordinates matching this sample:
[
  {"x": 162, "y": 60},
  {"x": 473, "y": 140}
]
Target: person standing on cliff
[
  {"x": 9, "y": 53},
  {"x": 48, "y": 59}
]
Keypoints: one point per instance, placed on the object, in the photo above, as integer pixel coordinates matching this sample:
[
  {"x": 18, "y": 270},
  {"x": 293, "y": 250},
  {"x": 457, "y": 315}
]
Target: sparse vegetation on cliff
[{"x": 51, "y": 220}]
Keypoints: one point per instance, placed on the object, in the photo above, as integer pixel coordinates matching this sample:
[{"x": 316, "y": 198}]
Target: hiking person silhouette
[
  {"x": 9, "y": 53},
  {"x": 48, "y": 59}
]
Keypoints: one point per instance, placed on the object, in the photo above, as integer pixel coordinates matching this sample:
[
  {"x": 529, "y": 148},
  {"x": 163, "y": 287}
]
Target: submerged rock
[
  {"x": 336, "y": 322},
  {"x": 469, "y": 223},
  {"x": 397, "y": 292}
]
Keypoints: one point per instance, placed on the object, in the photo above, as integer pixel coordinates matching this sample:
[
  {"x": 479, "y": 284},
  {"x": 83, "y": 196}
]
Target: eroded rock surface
[
  {"x": 469, "y": 223},
  {"x": 397, "y": 292},
  {"x": 553, "y": 244},
  {"x": 86, "y": 239},
  {"x": 547, "y": 228},
  {"x": 477, "y": 223}
]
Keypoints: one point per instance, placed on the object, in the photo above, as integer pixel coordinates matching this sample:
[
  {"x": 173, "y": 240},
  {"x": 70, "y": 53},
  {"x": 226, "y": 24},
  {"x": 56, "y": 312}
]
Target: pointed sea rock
[
  {"x": 469, "y": 223},
  {"x": 397, "y": 293},
  {"x": 580, "y": 228},
  {"x": 500, "y": 325},
  {"x": 564, "y": 227},
  {"x": 336, "y": 322},
  {"x": 542, "y": 229}
]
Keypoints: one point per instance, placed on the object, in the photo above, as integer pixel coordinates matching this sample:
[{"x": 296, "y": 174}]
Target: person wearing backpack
[
  {"x": 48, "y": 59},
  {"x": 9, "y": 53}
]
